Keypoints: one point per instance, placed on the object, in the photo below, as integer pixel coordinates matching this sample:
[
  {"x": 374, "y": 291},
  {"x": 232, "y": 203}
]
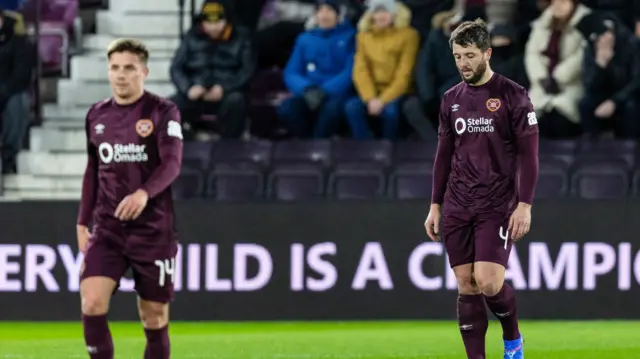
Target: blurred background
[{"x": 299, "y": 199}]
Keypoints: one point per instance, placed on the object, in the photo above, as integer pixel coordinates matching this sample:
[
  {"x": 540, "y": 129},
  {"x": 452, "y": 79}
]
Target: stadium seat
[
  {"x": 354, "y": 151},
  {"x": 291, "y": 182},
  {"x": 236, "y": 182},
  {"x": 190, "y": 184},
  {"x": 238, "y": 151},
  {"x": 636, "y": 184},
  {"x": 415, "y": 151},
  {"x": 553, "y": 150},
  {"x": 600, "y": 180},
  {"x": 302, "y": 152},
  {"x": 197, "y": 155},
  {"x": 412, "y": 181},
  {"x": 553, "y": 179},
  {"x": 607, "y": 150},
  {"x": 357, "y": 181}
]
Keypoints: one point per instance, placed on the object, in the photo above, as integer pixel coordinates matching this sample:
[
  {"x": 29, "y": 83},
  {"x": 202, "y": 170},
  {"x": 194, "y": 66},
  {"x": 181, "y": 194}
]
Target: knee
[
  {"x": 489, "y": 285},
  {"x": 354, "y": 107},
  {"x": 467, "y": 284},
  {"x": 94, "y": 304},
  {"x": 153, "y": 315}
]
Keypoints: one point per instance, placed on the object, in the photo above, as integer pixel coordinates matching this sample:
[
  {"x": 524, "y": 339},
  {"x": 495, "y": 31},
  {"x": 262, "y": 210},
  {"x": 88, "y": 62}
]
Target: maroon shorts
[
  {"x": 152, "y": 261},
  {"x": 476, "y": 237}
]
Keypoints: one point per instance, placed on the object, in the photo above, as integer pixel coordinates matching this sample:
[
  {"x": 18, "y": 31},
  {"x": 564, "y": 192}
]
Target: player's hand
[
  {"x": 374, "y": 107},
  {"x": 215, "y": 94},
  {"x": 606, "y": 109},
  {"x": 520, "y": 221},
  {"x": 196, "y": 92},
  {"x": 432, "y": 224},
  {"x": 83, "y": 237},
  {"x": 132, "y": 206}
]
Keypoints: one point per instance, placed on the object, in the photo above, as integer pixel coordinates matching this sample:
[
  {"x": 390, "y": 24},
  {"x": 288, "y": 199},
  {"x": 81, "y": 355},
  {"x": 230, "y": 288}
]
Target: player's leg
[
  {"x": 103, "y": 266},
  {"x": 493, "y": 247},
  {"x": 155, "y": 320},
  {"x": 457, "y": 233},
  {"x": 153, "y": 272}
]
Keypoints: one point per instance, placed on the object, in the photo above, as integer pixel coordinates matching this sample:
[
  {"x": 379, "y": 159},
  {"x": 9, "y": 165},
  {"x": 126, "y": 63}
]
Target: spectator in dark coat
[
  {"x": 611, "y": 76},
  {"x": 212, "y": 69},
  {"x": 16, "y": 71}
]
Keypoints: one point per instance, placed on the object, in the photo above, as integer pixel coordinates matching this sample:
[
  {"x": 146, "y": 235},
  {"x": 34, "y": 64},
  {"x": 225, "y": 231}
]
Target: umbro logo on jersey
[
  {"x": 455, "y": 108},
  {"x": 99, "y": 129}
]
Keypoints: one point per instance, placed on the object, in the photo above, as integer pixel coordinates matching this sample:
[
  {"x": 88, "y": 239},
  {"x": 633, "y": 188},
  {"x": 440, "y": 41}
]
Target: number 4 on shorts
[
  {"x": 166, "y": 268},
  {"x": 504, "y": 234}
]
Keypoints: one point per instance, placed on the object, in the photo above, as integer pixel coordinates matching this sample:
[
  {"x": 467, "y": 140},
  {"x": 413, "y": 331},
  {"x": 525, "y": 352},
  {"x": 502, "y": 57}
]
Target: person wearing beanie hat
[
  {"x": 386, "y": 53},
  {"x": 611, "y": 77},
  {"x": 318, "y": 74},
  {"x": 211, "y": 70}
]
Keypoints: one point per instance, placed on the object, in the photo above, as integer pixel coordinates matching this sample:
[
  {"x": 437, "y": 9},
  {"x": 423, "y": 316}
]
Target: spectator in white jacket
[{"x": 553, "y": 62}]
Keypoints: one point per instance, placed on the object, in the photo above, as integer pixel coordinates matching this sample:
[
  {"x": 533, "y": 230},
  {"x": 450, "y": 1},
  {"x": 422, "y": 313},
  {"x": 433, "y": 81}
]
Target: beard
[{"x": 477, "y": 74}]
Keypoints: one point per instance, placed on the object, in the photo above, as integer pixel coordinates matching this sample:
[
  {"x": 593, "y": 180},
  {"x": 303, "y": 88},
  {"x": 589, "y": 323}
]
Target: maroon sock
[
  {"x": 97, "y": 336},
  {"x": 158, "y": 346},
  {"x": 503, "y": 306},
  {"x": 473, "y": 322}
]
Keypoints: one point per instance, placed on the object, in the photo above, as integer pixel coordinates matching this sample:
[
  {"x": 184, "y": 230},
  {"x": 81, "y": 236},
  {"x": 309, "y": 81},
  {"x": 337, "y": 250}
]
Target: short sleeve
[
  {"x": 444, "y": 126},
  {"x": 523, "y": 117}
]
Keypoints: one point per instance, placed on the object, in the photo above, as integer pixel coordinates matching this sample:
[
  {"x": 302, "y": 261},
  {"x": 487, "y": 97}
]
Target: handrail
[
  {"x": 181, "y": 18},
  {"x": 38, "y": 72}
]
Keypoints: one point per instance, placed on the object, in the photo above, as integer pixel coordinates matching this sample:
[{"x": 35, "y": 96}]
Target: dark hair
[
  {"x": 471, "y": 33},
  {"x": 129, "y": 45}
]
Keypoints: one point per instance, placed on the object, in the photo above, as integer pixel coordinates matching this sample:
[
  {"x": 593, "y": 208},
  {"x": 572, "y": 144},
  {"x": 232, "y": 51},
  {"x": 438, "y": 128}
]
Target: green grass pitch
[{"x": 326, "y": 340}]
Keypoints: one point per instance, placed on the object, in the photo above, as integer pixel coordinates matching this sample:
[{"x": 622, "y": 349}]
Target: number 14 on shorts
[{"x": 167, "y": 269}]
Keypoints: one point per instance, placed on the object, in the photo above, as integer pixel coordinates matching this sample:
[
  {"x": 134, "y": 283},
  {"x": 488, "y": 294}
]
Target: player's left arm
[
  {"x": 526, "y": 132},
  {"x": 169, "y": 142}
]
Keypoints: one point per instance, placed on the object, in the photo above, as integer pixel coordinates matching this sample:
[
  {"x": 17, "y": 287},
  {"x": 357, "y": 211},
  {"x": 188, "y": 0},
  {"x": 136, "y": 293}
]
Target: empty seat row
[
  {"x": 206, "y": 155},
  {"x": 364, "y": 181}
]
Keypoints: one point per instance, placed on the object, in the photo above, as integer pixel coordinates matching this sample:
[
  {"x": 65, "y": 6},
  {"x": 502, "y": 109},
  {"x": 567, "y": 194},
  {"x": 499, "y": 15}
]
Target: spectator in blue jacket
[{"x": 318, "y": 74}]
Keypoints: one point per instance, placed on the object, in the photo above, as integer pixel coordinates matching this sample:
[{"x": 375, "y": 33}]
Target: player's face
[
  {"x": 382, "y": 19},
  {"x": 471, "y": 61},
  {"x": 327, "y": 17},
  {"x": 126, "y": 74}
]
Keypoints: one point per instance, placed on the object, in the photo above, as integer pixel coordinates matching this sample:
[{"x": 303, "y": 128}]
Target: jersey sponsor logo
[
  {"x": 119, "y": 153},
  {"x": 174, "y": 129},
  {"x": 494, "y": 104},
  {"x": 144, "y": 127},
  {"x": 532, "y": 119},
  {"x": 474, "y": 125}
]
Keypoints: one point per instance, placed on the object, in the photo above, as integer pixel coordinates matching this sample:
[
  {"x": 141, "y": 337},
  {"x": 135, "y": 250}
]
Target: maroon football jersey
[
  {"x": 485, "y": 123},
  {"x": 131, "y": 147}
]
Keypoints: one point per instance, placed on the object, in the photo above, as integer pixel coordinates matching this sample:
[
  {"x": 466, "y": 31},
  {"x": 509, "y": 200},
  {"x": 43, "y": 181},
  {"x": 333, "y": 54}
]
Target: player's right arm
[
  {"x": 89, "y": 191},
  {"x": 441, "y": 170}
]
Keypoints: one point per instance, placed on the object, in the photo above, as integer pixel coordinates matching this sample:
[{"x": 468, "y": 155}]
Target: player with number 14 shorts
[{"x": 134, "y": 149}]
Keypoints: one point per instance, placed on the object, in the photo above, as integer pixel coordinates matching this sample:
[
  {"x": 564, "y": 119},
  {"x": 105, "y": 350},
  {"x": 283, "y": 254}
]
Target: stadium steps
[{"x": 53, "y": 166}]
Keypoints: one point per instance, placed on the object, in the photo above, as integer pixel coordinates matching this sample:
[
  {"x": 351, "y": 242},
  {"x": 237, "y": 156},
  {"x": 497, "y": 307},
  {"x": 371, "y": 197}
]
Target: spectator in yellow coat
[{"x": 382, "y": 73}]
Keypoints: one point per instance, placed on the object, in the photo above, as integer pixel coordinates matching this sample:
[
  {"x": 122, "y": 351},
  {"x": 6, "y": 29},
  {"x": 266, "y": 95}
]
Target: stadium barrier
[{"x": 330, "y": 260}]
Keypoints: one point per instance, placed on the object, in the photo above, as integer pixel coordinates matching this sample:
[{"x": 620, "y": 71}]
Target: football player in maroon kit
[
  {"x": 134, "y": 149},
  {"x": 485, "y": 174}
]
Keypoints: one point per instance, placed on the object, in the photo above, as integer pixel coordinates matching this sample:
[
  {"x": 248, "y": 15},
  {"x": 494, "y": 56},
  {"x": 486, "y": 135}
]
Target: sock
[
  {"x": 503, "y": 306},
  {"x": 158, "y": 346},
  {"x": 97, "y": 336},
  {"x": 473, "y": 322}
]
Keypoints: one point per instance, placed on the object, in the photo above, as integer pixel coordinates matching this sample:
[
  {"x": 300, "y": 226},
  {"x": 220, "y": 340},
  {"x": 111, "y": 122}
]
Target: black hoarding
[{"x": 330, "y": 260}]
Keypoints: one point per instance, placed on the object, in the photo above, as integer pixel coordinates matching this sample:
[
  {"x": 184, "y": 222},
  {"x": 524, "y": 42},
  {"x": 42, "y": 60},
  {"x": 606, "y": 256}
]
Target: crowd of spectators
[{"x": 378, "y": 68}]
